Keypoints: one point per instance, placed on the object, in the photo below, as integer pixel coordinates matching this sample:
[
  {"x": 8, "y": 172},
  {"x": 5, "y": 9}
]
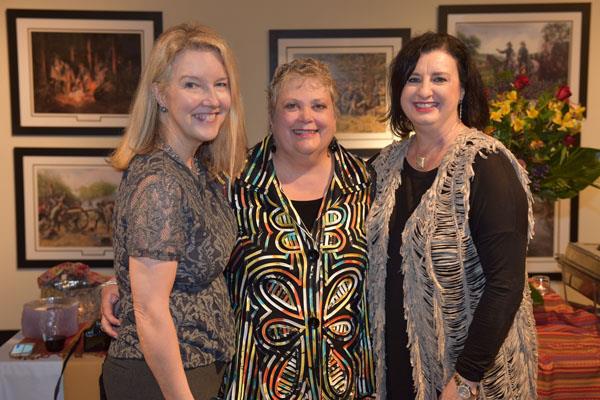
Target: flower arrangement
[{"x": 543, "y": 134}]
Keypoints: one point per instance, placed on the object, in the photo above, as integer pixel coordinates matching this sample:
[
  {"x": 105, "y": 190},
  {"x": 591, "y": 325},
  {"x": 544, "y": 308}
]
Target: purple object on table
[{"x": 36, "y": 311}]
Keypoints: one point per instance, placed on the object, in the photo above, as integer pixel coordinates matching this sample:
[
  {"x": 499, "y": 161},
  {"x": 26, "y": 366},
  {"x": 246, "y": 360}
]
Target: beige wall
[{"x": 245, "y": 24}]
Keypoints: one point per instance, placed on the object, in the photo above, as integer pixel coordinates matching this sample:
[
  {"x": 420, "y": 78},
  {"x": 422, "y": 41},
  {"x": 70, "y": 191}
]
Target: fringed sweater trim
[{"x": 443, "y": 278}]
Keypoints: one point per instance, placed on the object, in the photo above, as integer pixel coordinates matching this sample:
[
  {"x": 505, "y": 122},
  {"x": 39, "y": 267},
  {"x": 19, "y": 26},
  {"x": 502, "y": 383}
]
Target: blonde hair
[
  {"x": 225, "y": 154},
  {"x": 303, "y": 68}
]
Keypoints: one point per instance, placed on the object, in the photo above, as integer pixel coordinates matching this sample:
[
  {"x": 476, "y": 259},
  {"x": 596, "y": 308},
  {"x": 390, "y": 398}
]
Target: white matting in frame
[
  {"x": 65, "y": 200},
  {"x": 31, "y": 118}
]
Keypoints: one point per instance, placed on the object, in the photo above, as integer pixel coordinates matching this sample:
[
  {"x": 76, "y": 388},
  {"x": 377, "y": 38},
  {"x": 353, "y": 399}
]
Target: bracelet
[{"x": 110, "y": 282}]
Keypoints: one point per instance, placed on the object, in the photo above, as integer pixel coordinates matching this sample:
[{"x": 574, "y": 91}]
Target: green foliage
[
  {"x": 51, "y": 185},
  {"x": 543, "y": 134},
  {"x": 536, "y": 296},
  {"x": 97, "y": 190}
]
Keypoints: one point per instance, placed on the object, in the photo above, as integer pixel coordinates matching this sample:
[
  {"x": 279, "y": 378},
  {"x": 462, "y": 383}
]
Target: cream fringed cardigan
[{"x": 443, "y": 278}]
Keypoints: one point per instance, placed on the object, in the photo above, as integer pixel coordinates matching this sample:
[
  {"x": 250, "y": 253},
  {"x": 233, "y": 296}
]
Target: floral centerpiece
[{"x": 543, "y": 134}]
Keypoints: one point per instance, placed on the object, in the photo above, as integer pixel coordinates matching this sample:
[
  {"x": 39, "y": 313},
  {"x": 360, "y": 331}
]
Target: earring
[
  {"x": 460, "y": 110},
  {"x": 333, "y": 146},
  {"x": 162, "y": 109}
]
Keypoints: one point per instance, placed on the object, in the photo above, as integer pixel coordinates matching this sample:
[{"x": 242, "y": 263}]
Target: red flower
[
  {"x": 569, "y": 141},
  {"x": 521, "y": 81},
  {"x": 563, "y": 93}
]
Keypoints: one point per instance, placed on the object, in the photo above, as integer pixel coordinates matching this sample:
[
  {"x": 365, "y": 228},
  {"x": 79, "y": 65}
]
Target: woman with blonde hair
[
  {"x": 173, "y": 229},
  {"x": 297, "y": 272}
]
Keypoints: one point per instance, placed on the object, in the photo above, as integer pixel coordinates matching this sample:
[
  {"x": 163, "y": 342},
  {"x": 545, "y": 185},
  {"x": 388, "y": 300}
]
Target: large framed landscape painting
[
  {"x": 549, "y": 43},
  {"x": 359, "y": 61},
  {"x": 64, "y": 202},
  {"x": 75, "y": 72}
]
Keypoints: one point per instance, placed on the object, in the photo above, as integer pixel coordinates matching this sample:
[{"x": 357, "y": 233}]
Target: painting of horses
[{"x": 66, "y": 199}]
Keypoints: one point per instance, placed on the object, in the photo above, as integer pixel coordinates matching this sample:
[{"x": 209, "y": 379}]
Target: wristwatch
[{"x": 464, "y": 390}]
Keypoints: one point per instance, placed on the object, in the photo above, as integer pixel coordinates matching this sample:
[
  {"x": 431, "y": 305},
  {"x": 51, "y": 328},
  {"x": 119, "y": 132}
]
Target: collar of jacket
[{"x": 350, "y": 173}]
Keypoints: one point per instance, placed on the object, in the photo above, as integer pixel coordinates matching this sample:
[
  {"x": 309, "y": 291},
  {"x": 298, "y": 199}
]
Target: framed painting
[
  {"x": 75, "y": 72},
  {"x": 64, "y": 202},
  {"x": 359, "y": 61},
  {"x": 549, "y": 43}
]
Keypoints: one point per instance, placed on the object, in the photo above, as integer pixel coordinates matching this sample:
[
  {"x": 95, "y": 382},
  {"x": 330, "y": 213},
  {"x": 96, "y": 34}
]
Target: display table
[{"x": 36, "y": 379}]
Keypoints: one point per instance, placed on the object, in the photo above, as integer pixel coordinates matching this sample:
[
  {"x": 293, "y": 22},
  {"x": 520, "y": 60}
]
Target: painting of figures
[
  {"x": 360, "y": 79},
  {"x": 75, "y": 205},
  {"x": 74, "y": 72},
  {"x": 504, "y": 50},
  {"x": 93, "y": 73},
  {"x": 65, "y": 203}
]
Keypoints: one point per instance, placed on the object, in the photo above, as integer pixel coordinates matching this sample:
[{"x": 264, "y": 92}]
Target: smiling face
[
  {"x": 197, "y": 98},
  {"x": 432, "y": 92},
  {"x": 303, "y": 122}
]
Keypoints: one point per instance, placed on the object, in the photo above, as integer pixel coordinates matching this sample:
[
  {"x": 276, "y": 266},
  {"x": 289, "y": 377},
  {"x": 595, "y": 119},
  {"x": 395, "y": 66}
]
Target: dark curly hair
[{"x": 475, "y": 111}]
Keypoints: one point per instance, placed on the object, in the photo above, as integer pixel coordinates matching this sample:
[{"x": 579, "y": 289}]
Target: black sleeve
[{"x": 498, "y": 220}]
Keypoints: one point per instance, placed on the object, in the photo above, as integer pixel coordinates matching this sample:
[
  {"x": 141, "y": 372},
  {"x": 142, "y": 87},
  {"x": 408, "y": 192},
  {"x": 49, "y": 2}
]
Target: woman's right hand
[{"x": 110, "y": 323}]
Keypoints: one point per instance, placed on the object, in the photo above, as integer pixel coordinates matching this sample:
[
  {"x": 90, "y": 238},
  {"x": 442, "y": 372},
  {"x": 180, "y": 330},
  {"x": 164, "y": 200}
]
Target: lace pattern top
[{"x": 165, "y": 211}]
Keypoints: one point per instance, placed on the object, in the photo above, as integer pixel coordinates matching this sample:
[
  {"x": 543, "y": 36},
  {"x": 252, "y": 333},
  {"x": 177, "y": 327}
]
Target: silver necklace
[{"x": 420, "y": 162}]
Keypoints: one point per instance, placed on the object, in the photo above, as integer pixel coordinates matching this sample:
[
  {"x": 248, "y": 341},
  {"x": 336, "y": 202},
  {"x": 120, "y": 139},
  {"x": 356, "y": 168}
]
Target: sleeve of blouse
[
  {"x": 498, "y": 221},
  {"x": 156, "y": 227}
]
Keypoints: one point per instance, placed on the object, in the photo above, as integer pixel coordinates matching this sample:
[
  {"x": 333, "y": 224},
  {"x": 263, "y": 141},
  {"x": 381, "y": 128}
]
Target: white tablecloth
[{"x": 28, "y": 379}]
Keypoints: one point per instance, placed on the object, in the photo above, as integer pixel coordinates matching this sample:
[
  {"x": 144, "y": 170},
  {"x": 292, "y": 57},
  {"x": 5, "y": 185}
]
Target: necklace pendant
[{"x": 421, "y": 162}]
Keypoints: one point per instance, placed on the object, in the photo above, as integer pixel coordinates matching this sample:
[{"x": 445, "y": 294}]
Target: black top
[
  {"x": 498, "y": 222},
  {"x": 308, "y": 210}
]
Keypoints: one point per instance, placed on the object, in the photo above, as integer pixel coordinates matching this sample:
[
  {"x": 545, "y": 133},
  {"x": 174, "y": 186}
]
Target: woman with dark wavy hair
[{"x": 448, "y": 230}]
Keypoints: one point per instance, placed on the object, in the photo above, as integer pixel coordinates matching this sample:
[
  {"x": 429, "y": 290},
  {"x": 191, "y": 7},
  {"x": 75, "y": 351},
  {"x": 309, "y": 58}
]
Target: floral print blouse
[{"x": 165, "y": 211}]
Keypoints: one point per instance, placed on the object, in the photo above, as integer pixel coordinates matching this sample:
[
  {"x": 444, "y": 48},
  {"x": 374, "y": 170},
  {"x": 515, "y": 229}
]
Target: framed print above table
[
  {"x": 75, "y": 72},
  {"x": 548, "y": 43},
  {"x": 359, "y": 61},
  {"x": 64, "y": 205}
]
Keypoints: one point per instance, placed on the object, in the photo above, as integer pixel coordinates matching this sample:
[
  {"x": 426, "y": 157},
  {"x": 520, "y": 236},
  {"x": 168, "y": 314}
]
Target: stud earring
[
  {"x": 333, "y": 146},
  {"x": 162, "y": 109}
]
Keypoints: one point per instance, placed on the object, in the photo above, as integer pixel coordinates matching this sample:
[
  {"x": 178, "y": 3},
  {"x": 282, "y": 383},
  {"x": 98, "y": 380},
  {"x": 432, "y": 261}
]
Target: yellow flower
[
  {"x": 532, "y": 112},
  {"x": 512, "y": 95},
  {"x": 578, "y": 111},
  {"x": 557, "y": 119},
  {"x": 555, "y": 105},
  {"x": 567, "y": 122},
  {"x": 505, "y": 108},
  {"x": 517, "y": 124},
  {"x": 496, "y": 116}
]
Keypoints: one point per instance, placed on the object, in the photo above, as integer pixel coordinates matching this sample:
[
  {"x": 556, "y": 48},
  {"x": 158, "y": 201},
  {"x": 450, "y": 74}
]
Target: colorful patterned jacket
[{"x": 299, "y": 296}]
